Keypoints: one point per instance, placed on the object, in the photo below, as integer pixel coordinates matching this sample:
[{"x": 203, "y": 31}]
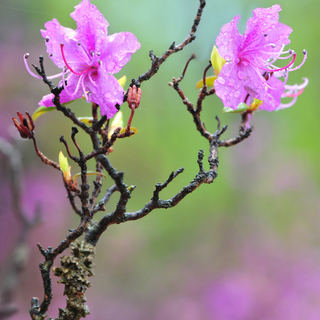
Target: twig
[
  {"x": 157, "y": 61},
  {"x": 43, "y": 158},
  {"x": 56, "y": 101}
]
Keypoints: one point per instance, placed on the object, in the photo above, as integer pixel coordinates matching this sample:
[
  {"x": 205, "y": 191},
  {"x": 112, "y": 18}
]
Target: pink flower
[
  {"x": 89, "y": 58},
  {"x": 250, "y": 57}
]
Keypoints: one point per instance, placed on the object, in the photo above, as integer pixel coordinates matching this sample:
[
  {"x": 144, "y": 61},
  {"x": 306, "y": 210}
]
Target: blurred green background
[{"x": 257, "y": 221}]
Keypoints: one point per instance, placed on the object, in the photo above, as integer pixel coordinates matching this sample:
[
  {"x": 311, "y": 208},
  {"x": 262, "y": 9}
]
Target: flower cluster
[
  {"x": 247, "y": 71},
  {"x": 88, "y": 58}
]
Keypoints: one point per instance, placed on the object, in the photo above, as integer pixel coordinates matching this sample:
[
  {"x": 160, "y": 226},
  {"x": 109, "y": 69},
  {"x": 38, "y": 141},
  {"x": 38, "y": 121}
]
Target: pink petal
[
  {"x": 118, "y": 51},
  {"x": 57, "y": 34},
  {"x": 46, "y": 100},
  {"x": 264, "y": 33},
  {"x": 229, "y": 86},
  {"x": 105, "y": 91},
  {"x": 65, "y": 97},
  {"x": 229, "y": 39},
  {"x": 276, "y": 89},
  {"x": 92, "y": 27}
]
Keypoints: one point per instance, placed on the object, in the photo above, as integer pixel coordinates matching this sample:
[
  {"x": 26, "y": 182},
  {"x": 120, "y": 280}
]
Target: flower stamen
[
  {"x": 65, "y": 61},
  {"x": 25, "y": 57},
  {"x": 273, "y": 70}
]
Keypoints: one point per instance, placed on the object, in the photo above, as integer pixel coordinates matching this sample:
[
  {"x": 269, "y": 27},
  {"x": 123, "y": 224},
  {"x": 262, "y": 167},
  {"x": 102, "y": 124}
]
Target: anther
[{"x": 47, "y": 38}]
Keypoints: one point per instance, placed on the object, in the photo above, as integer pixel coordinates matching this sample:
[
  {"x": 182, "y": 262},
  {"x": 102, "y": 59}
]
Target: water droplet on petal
[
  {"x": 221, "y": 80},
  {"x": 107, "y": 95},
  {"x": 240, "y": 75},
  {"x": 227, "y": 58},
  {"x": 231, "y": 82},
  {"x": 237, "y": 94},
  {"x": 237, "y": 60}
]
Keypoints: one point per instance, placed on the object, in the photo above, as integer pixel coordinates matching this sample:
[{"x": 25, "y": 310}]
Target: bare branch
[{"x": 157, "y": 61}]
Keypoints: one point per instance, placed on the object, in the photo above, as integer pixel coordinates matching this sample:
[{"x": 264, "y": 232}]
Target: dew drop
[
  {"x": 221, "y": 80},
  {"x": 231, "y": 82},
  {"x": 107, "y": 95},
  {"x": 237, "y": 60},
  {"x": 237, "y": 94},
  {"x": 227, "y": 58},
  {"x": 240, "y": 75}
]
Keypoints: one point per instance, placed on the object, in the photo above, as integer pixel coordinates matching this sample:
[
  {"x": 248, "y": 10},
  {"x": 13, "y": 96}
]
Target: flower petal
[
  {"x": 105, "y": 91},
  {"x": 264, "y": 33},
  {"x": 73, "y": 92},
  {"x": 229, "y": 86},
  {"x": 92, "y": 27},
  {"x": 118, "y": 50},
  {"x": 55, "y": 35},
  {"x": 229, "y": 39}
]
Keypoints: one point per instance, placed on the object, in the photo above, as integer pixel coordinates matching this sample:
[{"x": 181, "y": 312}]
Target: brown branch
[
  {"x": 97, "y": 187},
  {"x": 244, "y": 132},
  {"x": 157, "y": 61},
  {"x": 56, "y": 100},
  {"x": 105, "y": 148},
  {"x": 104, "y": 200},
  {"x": 43, "y": 158},
  {"x": 71, "y": 198}
]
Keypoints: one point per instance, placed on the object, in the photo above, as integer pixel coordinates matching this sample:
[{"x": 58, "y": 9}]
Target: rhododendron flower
[
  {"x": 89, "y": 58},
  {"x": 250, "y": 57},
  {"x": 277, "y": 91}
]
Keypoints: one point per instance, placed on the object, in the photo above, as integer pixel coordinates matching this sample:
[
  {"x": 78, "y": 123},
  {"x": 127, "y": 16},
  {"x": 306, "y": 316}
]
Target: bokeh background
[{"x": 245, "y": 247}]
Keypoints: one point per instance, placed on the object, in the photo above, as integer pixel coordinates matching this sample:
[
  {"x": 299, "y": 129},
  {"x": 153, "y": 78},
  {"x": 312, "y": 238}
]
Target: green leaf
[
  {"x": 86, "y": 120},
  {"x": 135, "y": 130},
  {"x": 240, "y": 108},
  {"x": 122, "y": 81},
  {"x": 209, "y": 82},
  {"x": 40, "y": 111},
  {"x": 216, "y": 60}
]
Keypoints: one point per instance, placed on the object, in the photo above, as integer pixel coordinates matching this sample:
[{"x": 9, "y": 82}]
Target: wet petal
[
  {"x": 55, "y": 34},
  {"x": 229, "y": 86},
  {"x": 73, "y": 92},
  {"x": 118, "y": 50},
  {"x": 105, "y": 91},
  {"x": 92, "y": 27},
  {"x": 229, "y": 39}
]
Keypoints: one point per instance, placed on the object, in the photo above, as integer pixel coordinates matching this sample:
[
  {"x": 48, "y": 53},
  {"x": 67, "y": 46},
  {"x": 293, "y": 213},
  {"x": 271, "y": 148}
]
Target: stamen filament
[
  {"x": 65, "y": 86},
  {"x": 274, "y": 70},
  {"x": 65, "y": 61},
  {"x": 25, "y": 57},
  {"x": 303, "y": 61},
  {"x": 295, "y": 94}
]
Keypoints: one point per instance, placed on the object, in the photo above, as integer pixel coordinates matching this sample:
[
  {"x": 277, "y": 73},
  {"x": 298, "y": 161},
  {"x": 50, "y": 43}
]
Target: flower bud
[
  {"x": 134, "y": 97},
  {"x": 26, "y": 125}
]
